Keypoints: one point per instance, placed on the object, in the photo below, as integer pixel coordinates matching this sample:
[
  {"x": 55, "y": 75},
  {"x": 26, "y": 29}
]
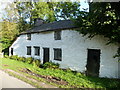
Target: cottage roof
[{"x": 57, "y": 25}]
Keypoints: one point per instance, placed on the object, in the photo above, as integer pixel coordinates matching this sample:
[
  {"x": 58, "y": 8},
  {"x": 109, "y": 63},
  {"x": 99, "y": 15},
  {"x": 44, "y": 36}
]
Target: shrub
[
  {"x": 14, "y": 57},
  {"x": 68, "y": 70},
  {"x": 29, "y": 60},
  {"x": 23, "y": 59},
  {"x": 50, "y": 65},
  {"x": 6, "y": 56},
  {"x": 36, "y": 63}
]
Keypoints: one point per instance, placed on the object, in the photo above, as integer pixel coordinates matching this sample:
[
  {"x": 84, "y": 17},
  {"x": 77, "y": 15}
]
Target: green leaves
[
  {"x": 43, "y": 10},
  {"x": 103, "y": 19},
  {"x": 8, "y": 33}
]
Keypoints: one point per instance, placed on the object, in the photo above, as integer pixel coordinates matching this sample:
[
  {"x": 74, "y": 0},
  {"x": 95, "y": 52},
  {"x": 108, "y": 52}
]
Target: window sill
[
  {"x": 57, "y": 59},
  {"x": 37, "y": 55}
]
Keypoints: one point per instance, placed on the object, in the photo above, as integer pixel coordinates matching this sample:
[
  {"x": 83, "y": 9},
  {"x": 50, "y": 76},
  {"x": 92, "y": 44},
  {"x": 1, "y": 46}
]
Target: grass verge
[{"x": 74, "y": 79}]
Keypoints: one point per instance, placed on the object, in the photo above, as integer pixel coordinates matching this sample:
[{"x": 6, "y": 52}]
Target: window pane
[
  {"x": 37, "y": 50},
  {"x": 57, "y": 35},
  {"x": 29, "y": 50},
  {"x": 28, "y": 36},
  {"x": 58, "y": 54}
]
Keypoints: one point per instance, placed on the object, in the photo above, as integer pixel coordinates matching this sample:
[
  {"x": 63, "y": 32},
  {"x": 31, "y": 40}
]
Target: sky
[{"x": 3, "y": 4}]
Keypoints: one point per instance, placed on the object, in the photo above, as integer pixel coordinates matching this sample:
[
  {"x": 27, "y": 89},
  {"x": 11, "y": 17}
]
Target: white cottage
[{"x": 59, "y": 42}]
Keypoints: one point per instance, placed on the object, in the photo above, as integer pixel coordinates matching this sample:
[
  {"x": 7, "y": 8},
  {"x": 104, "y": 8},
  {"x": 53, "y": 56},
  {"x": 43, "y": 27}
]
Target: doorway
[
  {"x": 45, "y": 55},
  {"x": 93, "y": 62},
  {"x": 11, "y": 51}
]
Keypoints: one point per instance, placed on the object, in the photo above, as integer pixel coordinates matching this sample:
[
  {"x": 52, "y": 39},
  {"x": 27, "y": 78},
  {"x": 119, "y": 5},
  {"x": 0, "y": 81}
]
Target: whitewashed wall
[{"x": 74, "y": 50}]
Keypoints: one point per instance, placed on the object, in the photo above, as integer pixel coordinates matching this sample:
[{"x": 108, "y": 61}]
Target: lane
[{"x": 7, "y": 81}]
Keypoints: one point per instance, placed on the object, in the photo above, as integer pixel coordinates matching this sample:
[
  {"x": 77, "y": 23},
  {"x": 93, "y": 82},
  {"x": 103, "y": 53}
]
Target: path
[{"x": 7, "y": 81}]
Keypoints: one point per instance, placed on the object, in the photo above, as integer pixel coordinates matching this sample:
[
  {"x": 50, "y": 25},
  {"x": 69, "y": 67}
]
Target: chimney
[{"x": 38, "y": 21}]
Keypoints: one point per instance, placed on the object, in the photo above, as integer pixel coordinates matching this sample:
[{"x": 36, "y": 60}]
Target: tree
[
  {"x": 44, "y": 10},
  {"x": 48, "y": 11},
  {"x": 20, "y": 16},
  {"x": 67, "y": 10},
  {"x": 103, "y": 19},
  {"x": 8, "y": 32}
]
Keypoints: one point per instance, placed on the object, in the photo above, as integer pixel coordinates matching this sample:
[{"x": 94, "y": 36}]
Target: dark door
[
  {"x": 11, "y": 51},
  {"x": 45, "y": 55},
  {"x": 93, "y": 62}
]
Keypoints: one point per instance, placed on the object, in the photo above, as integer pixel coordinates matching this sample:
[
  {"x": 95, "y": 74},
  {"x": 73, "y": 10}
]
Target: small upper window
[
  {"x": 57, "y": 35},
  {"x": 28, "y": 36},
  {"x": 57, "y": 54},
  {"x": 37, "y": 51},
  {"x": 28, "y": 50}
]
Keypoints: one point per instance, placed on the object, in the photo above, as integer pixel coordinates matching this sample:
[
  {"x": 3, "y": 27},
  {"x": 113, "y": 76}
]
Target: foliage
[
  {"x": 20, "y": 17},
  {"x": 67, "y": 10},
  {"x": 29, "y": 60},
  {"x": 6, "y": 56},
  {"x": 50, "y": 65},
  {"x": 48, "y": 11},
  {"x": 103, "y": 19},
  {"x": 36, "y": 63},
  {"x": 44, "y": 11},
  {"x": 22, "y": 25},
  {"x": 74, "y": 79},
  {"x": 14, "y": 57},
  {"x": 11, "y": 26},
  {"x": 23, "y": 59},
  {"x": 8, "y": 33}
]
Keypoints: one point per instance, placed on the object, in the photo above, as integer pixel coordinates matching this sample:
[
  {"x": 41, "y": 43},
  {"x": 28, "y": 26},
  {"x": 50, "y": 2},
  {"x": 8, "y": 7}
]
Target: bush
[
  {"x": 50, "y": 65},
  {"x": 6, "y": 56},
  {"x": 23, "y": 59},
  {"x": 68, "y": 70},
  {"x": 14, "y": 57},
  {"x": 29, "y": 60},
  {"x": 36, "y": 63}
]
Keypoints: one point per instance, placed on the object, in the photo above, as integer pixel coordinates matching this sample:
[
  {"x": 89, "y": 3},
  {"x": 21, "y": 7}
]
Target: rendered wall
[{"x": 74, "y": 50}]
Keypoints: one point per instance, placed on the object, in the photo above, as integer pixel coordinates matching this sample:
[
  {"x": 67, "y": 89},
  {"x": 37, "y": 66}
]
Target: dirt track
[{"x": 7, "y": 81}]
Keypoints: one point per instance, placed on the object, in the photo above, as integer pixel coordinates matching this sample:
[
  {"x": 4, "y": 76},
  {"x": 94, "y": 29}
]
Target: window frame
[
  {"x": 29, "y": 52},
  {"x": 38, "y": 50},
  {"x": 28, "y": 36},
  {"x": 58, "y": 52},
  {"x": 57, "y": 35}
]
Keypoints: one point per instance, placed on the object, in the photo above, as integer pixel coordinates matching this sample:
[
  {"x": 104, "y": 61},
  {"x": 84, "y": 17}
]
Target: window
[
  {"x": 28, "y": 36},
  {"x": 37, "y": 50},
  {"x": 11, "y": 51},
  {"x": 28, "y": 50},
  {"x": 58, "y": 54},
  {"x": 57, "y": 35}
]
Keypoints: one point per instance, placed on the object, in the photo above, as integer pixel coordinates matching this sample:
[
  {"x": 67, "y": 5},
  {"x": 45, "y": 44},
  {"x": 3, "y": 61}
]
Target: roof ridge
[{"x": 56, "y": 25}]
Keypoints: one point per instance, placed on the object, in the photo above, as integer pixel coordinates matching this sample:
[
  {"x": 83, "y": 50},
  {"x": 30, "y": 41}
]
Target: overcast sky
[{"x": 3, "y": 4}]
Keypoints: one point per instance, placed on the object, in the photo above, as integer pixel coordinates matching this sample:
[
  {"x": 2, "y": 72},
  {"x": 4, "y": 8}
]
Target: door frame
[
  {"x": 99, "y": 50},
  {"x": 44, "y": 61}
]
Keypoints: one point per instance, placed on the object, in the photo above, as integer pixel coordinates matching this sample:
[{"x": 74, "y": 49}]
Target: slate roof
[{"x": 57, "y": 25}]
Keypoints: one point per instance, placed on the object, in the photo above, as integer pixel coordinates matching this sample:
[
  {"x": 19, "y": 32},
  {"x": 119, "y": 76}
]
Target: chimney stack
[{"x": 38, "y": 21}]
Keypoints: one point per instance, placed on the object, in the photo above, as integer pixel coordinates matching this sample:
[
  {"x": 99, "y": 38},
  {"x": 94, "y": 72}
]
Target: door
[
  {"x": 11, "y": 51},
  {"x": 93, "y": 62},
  {"x": 45, "y": 55}
]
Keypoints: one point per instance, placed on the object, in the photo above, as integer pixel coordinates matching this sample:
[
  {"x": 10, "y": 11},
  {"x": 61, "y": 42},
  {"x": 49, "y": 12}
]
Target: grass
[{"x": 77, "y": 80}]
